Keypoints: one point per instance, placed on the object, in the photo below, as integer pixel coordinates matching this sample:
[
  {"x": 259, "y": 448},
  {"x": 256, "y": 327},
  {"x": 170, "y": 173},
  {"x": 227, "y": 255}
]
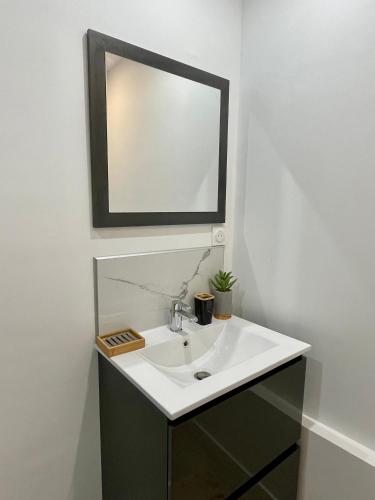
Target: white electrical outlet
[{"x": 218, "y": 235}]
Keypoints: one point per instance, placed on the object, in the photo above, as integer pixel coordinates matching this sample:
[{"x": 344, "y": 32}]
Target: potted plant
[{"x": 222, "y": 289}]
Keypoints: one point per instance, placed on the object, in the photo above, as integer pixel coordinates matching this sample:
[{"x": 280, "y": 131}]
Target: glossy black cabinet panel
[
  {"x": 200, "y": 469},
  {"x": 279, "y": 484},
  {"x": 134, "y": 440},
  {"x": 218, "y": 450}
]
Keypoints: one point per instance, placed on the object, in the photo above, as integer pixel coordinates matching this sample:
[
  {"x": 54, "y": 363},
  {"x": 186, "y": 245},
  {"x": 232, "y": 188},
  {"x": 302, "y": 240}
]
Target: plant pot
[{"x": 223, "y": 304}]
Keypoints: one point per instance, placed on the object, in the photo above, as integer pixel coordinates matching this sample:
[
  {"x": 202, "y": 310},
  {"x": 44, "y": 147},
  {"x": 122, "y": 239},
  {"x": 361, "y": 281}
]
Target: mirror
[
  {"x": 158, "y": 138},
  {"x": 159, "y": 124}
]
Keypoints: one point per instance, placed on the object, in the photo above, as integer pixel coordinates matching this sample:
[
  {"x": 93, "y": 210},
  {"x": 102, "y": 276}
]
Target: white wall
[
  {"x": 48, "y": 385},
  {"x": 305, "y": 239}
]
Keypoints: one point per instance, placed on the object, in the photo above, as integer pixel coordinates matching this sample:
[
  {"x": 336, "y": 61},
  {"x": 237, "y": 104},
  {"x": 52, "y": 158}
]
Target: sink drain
[{"x": 202, "y": 375}]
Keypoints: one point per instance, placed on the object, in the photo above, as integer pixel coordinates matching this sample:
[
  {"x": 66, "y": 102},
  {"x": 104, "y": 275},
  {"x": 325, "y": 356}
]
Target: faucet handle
[
  {"x": 178, "y": 305},
  {"x": 179, "y": 310}
]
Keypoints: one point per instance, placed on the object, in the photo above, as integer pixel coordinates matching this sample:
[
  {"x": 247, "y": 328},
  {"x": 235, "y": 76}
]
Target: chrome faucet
[{"x": 179, "y": 310}]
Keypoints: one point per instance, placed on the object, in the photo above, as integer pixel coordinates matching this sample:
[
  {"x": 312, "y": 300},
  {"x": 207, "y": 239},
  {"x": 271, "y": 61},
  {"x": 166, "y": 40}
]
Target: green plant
[{"x": 223, "y": 281}]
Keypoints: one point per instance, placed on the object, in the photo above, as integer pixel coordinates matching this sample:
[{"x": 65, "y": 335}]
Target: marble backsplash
[{"x": 137, "y": 290}]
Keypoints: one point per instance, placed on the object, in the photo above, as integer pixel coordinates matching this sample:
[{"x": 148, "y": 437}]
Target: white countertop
[{"x": 173, "y": 399}]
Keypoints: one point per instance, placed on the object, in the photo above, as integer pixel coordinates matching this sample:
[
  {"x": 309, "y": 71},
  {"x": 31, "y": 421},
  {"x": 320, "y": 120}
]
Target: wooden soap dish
[{"x": 120, "y": 341}]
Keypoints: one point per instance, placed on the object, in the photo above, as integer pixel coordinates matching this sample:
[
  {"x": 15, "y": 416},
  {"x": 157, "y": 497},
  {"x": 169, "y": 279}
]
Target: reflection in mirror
[{"x": 163, "y": 135}]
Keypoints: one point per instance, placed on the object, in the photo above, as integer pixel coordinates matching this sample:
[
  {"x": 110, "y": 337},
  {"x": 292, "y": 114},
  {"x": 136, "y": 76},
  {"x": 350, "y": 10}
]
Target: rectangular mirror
[{"x": 158, "y": 138}]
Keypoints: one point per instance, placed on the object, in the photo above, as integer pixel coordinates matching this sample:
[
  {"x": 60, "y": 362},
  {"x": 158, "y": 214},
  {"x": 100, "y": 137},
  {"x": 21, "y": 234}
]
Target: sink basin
[
  {"x": 211, "y": 349},
  {"x": 223, "y": 356}
]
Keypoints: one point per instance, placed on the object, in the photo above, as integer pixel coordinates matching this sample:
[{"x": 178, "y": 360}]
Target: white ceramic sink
[
  {"x": 233, "y": 352},
  {"x": 211, "y": 349}
]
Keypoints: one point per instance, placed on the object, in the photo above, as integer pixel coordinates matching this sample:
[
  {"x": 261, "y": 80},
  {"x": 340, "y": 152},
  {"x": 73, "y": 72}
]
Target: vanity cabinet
[{"x": 243, "y": 444}]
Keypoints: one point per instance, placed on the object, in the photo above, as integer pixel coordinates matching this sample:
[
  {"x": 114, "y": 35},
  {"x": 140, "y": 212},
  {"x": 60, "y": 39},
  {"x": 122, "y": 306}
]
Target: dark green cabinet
[{"x": 241, "y": 445}]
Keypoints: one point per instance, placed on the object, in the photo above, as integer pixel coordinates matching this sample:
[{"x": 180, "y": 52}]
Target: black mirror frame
[{"x": 98, "y": 44}]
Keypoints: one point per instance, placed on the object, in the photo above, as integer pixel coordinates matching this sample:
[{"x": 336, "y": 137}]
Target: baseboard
[{"x": 347, "y": 444}]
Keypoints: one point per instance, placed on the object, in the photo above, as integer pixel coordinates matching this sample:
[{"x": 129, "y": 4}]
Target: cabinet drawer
[
  {"x": 216, "y": 451},
  {"x": 280, "y": 483}
]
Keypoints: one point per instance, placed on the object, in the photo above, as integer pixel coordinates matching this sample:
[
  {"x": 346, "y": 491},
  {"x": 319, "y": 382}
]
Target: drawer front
[
  {"x": 280, "y": 483},
  {"x": 199, "y": 468},
  {"x": 219, "y": 449}
]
